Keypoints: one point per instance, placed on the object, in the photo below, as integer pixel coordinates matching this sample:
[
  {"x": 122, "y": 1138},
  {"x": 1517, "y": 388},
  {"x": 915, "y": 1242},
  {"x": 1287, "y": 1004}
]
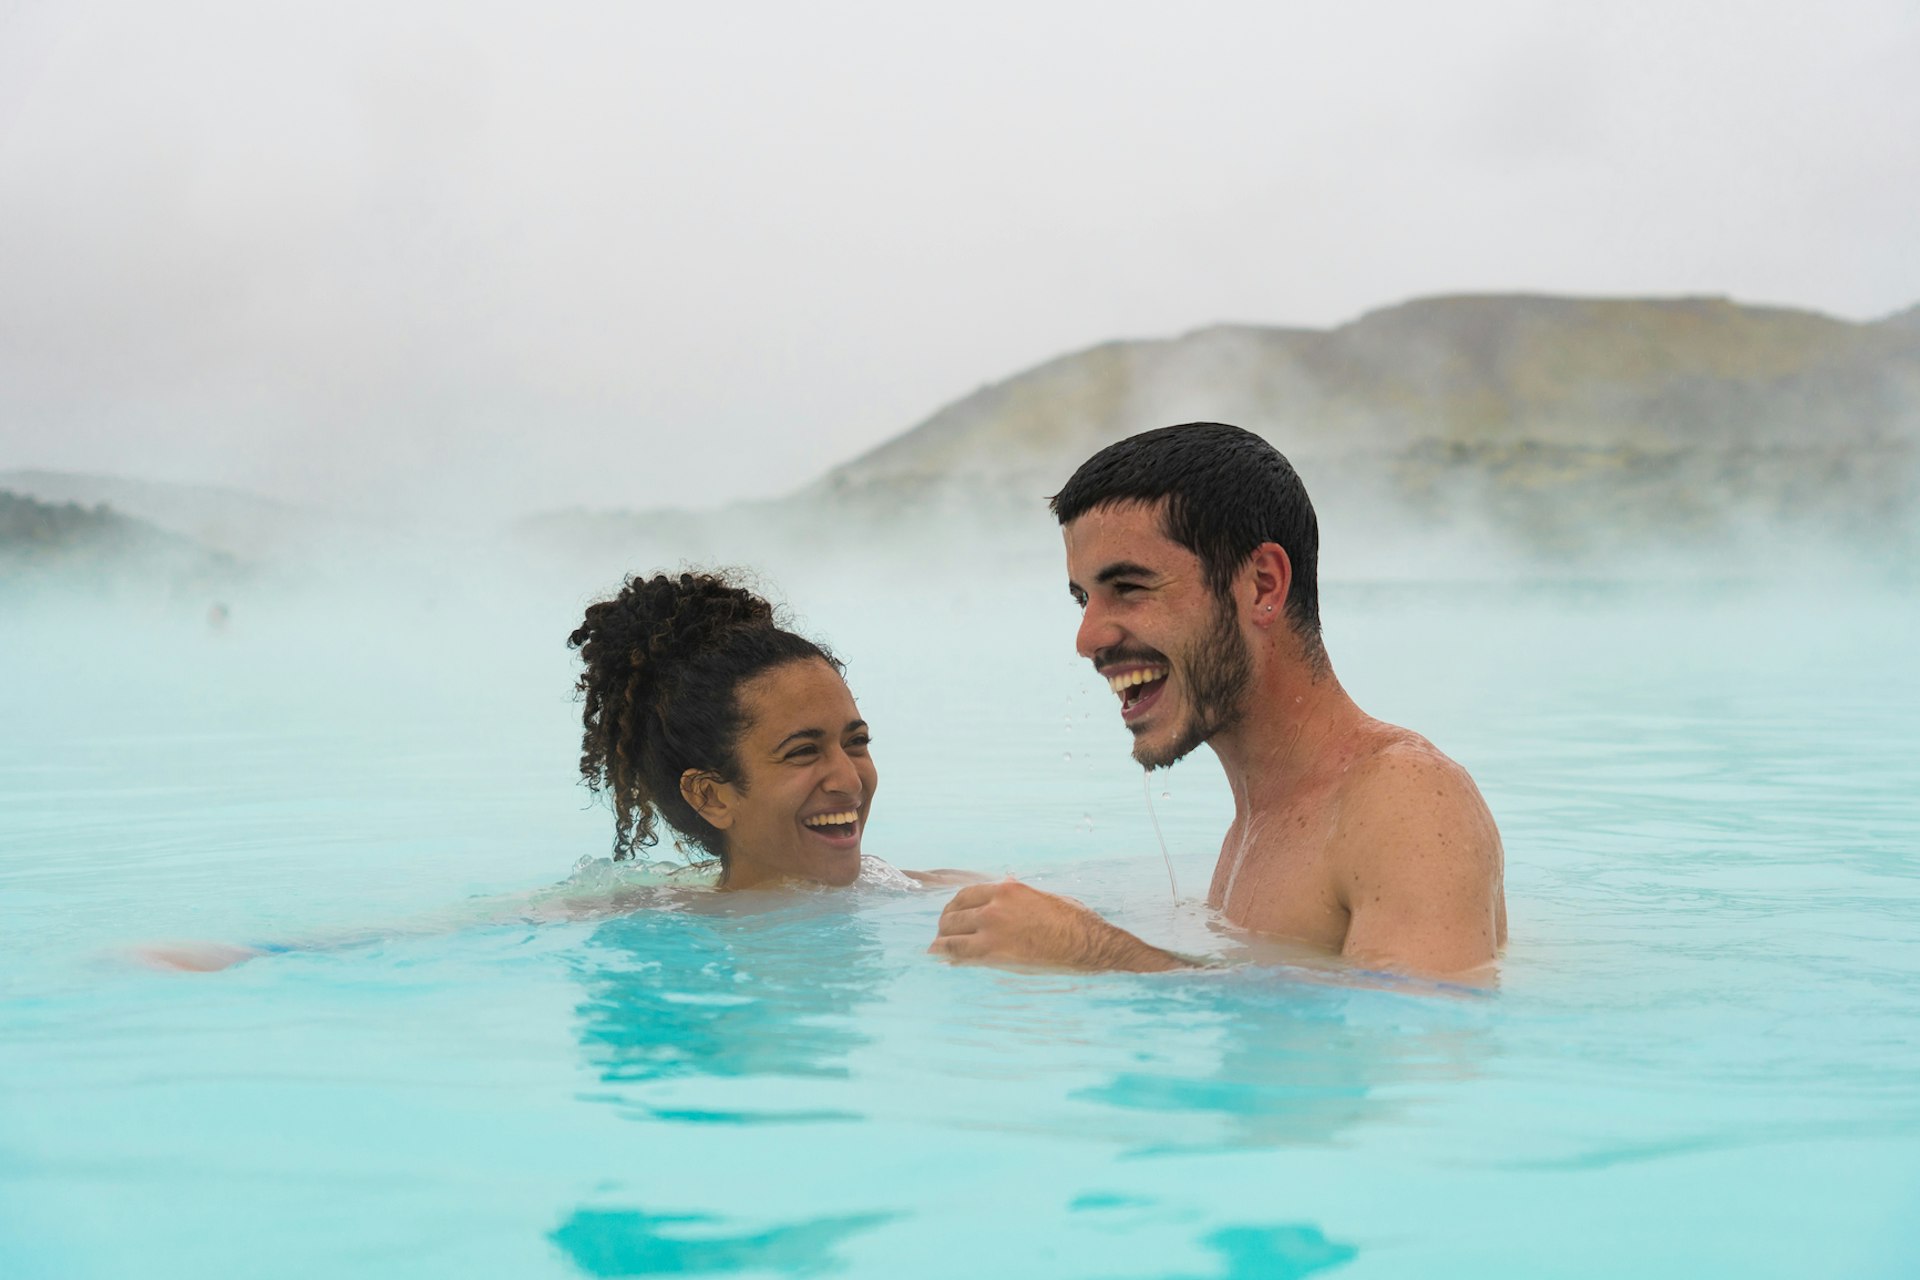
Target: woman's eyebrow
[
  {"x": 809, "y": 735},
  {"x": 854, "y": 726}
]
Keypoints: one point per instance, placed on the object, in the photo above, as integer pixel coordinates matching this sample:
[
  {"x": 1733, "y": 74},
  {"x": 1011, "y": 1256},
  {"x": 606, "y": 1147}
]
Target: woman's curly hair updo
[{"x": 665, "y": 660}]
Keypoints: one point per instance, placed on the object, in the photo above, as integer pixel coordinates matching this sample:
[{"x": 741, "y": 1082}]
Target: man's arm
[
  {"x": 1007, "y": 922},
  {"x": 1420, "y": 867}
]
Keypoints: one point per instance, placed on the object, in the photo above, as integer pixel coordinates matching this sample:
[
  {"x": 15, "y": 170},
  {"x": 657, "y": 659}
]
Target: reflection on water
[
  {"x": 726, "y": 991},
  {"x": 1244, "y": 1252},
  {"x": 1273, "y": 1253},
  {"x": 710, "y": 995},
  {"x": 625, "y": 1242},
  {"x": 1293, "y": 1065}
]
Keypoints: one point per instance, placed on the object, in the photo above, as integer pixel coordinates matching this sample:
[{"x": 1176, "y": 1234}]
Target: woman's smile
[{"x": 841, "y": 828}]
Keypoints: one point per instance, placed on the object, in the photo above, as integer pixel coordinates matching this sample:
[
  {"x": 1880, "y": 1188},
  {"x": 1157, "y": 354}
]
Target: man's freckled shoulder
[
  {"x": 1401, "y": 777},
  {"x": 1403, "y": 751},
  {"x": 1411, "y": 821}
]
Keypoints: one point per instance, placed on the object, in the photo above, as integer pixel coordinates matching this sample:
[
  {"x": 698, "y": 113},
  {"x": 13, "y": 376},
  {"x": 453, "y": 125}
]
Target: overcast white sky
[{"x": 637, "y": 254}]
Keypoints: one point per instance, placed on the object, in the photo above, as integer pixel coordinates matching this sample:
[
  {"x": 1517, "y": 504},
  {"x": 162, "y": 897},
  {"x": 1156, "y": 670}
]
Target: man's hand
[{"x": 1007, "y": 922}]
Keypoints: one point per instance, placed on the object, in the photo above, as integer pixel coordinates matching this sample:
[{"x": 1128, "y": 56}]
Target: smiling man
[{"x": 1193, "y": 552}]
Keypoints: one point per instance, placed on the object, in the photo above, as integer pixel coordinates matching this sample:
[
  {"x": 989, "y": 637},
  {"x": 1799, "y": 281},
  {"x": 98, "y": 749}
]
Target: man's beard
[{"x": 1214, "y": 676}]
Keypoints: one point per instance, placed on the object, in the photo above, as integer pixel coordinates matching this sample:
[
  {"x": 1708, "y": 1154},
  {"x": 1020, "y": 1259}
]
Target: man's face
[{"x": 1169, "y": 647}]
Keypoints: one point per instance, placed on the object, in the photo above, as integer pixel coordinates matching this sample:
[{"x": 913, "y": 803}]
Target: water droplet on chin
[{"x": 1166, "y": 795}]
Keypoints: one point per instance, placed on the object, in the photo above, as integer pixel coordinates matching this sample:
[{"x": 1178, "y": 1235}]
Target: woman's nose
[{"x": 842, "y": 777}]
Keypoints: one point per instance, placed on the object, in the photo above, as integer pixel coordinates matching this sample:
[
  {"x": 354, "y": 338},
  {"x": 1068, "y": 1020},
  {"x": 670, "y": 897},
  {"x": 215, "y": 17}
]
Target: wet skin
[
  {"x": 804, "y": 760},
  {"x": 1352, "y": 835}
]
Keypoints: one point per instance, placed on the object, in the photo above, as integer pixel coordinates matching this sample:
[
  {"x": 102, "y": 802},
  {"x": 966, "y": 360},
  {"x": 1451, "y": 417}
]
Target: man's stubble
[{"x": 1215, "y": 675}]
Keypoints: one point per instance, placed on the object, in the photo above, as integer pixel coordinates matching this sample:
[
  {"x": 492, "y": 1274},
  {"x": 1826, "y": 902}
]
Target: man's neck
[{"x": 1296, "y": 714}]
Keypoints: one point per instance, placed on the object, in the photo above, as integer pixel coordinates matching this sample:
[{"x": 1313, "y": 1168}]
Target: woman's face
[{"x": 806, "y": 780}]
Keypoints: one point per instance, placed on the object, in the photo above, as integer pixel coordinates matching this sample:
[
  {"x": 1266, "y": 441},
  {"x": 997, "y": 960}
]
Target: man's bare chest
[{"x": 1275, "y": 876}]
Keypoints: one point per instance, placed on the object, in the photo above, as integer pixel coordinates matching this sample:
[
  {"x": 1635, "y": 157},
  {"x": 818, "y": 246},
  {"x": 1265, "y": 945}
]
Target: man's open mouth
[
  {"x": 1138, "y": 687},
  {"x": 840, "y": 826}
]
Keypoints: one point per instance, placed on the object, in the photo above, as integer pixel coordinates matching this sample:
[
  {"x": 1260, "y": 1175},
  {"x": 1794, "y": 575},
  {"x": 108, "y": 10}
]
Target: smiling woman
[
  {"x": 741, "y": 735},
  {"x": 704, "y": 713}
]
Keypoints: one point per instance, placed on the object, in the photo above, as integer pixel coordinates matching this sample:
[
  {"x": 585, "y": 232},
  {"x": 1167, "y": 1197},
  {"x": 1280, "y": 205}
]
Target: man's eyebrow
[
  {"x": 1124, "y": 569},
  {"x": 853, "y": 725},
  {"x": 811, "y": 735}
]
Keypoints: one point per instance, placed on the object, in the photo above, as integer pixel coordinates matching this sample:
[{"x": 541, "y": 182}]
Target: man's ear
[
  {"x": 708, "y": 796},
  {"x": 1269, "y": 578}
]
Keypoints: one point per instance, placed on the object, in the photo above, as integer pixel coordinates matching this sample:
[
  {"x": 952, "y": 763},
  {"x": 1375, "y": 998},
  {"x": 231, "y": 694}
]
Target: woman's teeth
[
  {"x": 1127, "y": 679},
  {"x": 846, "y": 819}
]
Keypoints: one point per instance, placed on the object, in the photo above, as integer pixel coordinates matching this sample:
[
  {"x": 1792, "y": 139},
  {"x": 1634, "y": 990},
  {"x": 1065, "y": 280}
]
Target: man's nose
[{"x": 1096, "y": 631}]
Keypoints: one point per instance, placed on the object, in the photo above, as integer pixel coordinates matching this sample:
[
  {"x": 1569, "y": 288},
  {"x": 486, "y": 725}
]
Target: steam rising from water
[{"x": 426, "y": 686}]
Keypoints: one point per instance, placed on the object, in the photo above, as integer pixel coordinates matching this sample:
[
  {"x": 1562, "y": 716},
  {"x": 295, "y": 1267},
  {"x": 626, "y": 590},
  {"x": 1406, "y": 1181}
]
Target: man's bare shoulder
[
  {"x": 1405, "y": 800},
  {"x": 1390, "y": 757},
  {"x": 1417, "y": 859}
]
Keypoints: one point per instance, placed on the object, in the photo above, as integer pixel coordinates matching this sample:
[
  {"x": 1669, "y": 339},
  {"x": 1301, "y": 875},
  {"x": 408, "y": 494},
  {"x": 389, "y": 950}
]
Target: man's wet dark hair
[
  {"x": 665, "y": 660},
  {"x": 1227, "y": 491}
]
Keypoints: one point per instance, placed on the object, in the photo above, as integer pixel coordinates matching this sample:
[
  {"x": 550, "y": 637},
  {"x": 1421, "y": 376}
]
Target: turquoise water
[{"x": 1700, "y": 1061}]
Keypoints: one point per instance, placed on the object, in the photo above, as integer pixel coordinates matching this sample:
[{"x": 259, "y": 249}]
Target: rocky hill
[
  {"x": 1544, "y": 432},
  {"x": 226, "y": 520},
  {"x": 68, "y": 548}
]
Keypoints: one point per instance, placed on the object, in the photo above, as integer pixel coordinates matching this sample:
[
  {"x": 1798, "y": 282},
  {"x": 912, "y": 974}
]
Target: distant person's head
[
  {"x": 741, "y": 735},
  {"x": 1183, "y": 545}
]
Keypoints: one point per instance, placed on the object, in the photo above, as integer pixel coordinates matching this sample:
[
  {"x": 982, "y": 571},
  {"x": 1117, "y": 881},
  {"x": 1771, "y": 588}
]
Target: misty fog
[{"x": 461, "y": 263}]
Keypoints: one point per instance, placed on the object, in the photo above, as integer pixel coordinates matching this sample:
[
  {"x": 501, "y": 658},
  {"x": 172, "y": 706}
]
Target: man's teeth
[
  {"x": 1126, "y": 680},
  {"x": 846, "y": 819}
]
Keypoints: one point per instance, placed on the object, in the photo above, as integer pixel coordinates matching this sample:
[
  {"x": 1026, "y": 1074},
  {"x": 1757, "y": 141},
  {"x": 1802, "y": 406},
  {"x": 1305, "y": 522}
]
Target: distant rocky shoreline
[
  {"x": 67, "y": 546},
  {"x": 1527, "y": 434},
  {"x": 1475, "y": 437}
]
